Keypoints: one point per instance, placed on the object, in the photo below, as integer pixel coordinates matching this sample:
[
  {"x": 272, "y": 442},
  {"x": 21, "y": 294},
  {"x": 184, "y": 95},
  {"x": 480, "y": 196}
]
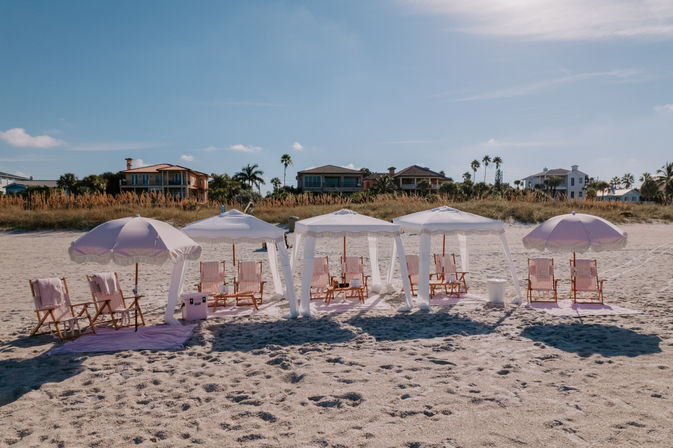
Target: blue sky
[{"x": 217, "y": 85}]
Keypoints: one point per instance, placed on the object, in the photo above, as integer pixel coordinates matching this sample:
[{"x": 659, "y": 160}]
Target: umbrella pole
[
  {"x": 443, "y": 244},
  {"x": 136, "y": 275},
  {"x": 344, "y": 258},
  {"x": 233, "y": 254}
]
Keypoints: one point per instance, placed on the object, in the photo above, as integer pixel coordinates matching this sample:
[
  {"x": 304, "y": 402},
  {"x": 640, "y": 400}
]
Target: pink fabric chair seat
[
  {"x": 541, "y": 274},
  {"x": 586, "y": 276}
]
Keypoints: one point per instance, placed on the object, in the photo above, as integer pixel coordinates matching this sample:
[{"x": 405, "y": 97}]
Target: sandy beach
[{"x": 468, "y": 375}]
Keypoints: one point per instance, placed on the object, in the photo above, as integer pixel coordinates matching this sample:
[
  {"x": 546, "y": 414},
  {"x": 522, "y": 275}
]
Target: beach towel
[
  {"x": 106, "y": 282},
  {"x": 51, "y": 292}
]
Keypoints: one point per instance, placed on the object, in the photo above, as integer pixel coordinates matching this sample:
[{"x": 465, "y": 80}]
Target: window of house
[
  {"x": 572, "y": 181},
  {"x": 134, "y": 179},
  {"x": 146, "y": 179},
  {"x": 580, "y": 181},
  {"x": 331, "y": 181},
  {"x": 176, "y": 178},
  {"x": 407, "y": 181},
  {"x": 157, "y": 179},
  {"x": 350, "y": 182},
  {"x": 572, "y": 194},
  {"x": 581, "y": 194},
  {"x": 311, "y": 181}
]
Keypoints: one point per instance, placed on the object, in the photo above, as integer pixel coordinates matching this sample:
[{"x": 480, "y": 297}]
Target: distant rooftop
[
  {"x": 330, "y": 169},
  {"x": 161, "y": 167}
]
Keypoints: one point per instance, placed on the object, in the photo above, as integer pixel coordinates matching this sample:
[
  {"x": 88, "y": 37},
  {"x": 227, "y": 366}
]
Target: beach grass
[{"x": 61, "y": 212}]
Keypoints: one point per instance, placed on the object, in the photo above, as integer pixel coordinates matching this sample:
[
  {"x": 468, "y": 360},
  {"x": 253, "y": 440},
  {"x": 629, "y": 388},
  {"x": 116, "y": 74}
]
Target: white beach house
[{"x": 573, "y": 183}]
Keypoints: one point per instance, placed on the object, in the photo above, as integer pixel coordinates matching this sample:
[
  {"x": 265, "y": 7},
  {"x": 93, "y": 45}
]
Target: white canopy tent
[
  {"x": 344, "y": 223},
  {"x": 449, "y": 221},
  {"x": 234, "y": 227},
  {"x": 136, "y": 240}
]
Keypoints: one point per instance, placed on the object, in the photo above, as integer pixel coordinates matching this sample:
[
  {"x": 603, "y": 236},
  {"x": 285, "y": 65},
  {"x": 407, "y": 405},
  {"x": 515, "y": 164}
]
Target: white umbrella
[
  {"x": 234, "y": 226},
  {"x": 134, "y": 240},
  {"x": 575, "y": 232}
]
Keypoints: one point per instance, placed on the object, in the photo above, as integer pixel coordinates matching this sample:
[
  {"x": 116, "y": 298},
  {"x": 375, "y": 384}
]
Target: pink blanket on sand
[{"x": 159, "y": 337}]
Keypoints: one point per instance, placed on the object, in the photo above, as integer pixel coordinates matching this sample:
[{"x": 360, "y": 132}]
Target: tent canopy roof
[
  {"x": 134, "y": 240},
  {"x": 233, "y": 226},
  {"x": 448, "y": 220},
  {"x": 345, "y": 222}
]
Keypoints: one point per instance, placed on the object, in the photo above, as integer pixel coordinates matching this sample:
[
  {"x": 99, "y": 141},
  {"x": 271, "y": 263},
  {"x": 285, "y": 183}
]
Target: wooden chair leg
[
  {"x": 40, "y": 323},
  {"x": 58, "y": 330}
]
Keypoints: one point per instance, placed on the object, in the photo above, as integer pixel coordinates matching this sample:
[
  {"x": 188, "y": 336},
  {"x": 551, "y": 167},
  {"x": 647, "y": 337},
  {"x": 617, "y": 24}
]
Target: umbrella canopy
[
  {"x": 132, "y": 240},
  {"x": 345, "y": 222},
  {"x": 233, "y": 227},
  {"x": 447, "y": 220},
  {"x": 575, "y": 232}
]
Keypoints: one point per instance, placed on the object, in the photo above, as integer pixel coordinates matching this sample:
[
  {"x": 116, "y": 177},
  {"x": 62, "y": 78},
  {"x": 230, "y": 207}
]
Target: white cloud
[
  {"x": 350, "y": 166},
  {"x": 548, "y": 84},
  {"x": 664, "y": 108},
  {"x": 19, "y": 138},
  {"x": 139, "y": 163},
  {"x": 557, "y": 20},
  {"x": 210, "y": 148},
  {"x": 519, "y": 144},
  {"x": 187, "y": 158},
  {"x": 114, "y": 146},
  {"x": 297, "y": 146},
  {"x": 245, "y": 148}
]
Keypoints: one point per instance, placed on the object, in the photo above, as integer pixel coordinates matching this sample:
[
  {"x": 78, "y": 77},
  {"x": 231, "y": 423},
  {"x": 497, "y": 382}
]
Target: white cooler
[
  {"x": 194, "y": 306},
  {"x": 496, "y": 290}
]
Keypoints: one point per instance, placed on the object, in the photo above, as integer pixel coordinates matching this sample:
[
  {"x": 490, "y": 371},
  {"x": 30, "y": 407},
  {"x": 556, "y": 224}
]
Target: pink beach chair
[
  {"x": 353, "y": 268},
  {"x": 585, "y": 287},
  {"x": 452, "y": 280},
  {"x": 110, "y": 302},
  {"x": 412, "y": 270},
  {"x": 53, "y": 308},
  {"x": 248, "y": 284},
  {"x": 542, "y": 286},
  {"x": 212, "y": 280},
  {"x": 321, "y": 282}
]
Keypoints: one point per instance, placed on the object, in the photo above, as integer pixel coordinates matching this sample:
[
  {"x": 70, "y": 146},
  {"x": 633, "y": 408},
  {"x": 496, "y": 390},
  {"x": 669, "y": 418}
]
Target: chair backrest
[
  {"x": 446, "y": 265},
  {"x": 212, "y": 276},
  {"x": 585, "y": 273},
  {"x": 412, "y": 268},
  {"x": 105, "y": 286},
  {"x": 541, "y": 273},
  {"x": 352, "y": 268},
  {"x": 51, "y": 293},
  {"x": 320, "y": 277},
  {"x": 249, "y": 276}
]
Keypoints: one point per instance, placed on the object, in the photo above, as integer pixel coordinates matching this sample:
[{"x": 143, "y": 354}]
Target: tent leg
[
  {"x": 374, "y": 261},
  {"x": 391, "y": 269},
  {"x": 174, "y": 291},
  {"x": 307, "y": 275},
  {"x": 295, "y": 251},
  {"x": 512, "y": 270},
  {"x": 405, "y": 274},
  {"x": 289, "y": 282},
  {"x": 273, "y": 265},
  {"x": 424, "y": 272}
]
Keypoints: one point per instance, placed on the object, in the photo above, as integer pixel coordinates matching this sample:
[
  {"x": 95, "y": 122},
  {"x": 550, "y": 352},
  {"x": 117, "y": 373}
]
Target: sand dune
[{"x": 466, "y": 375}]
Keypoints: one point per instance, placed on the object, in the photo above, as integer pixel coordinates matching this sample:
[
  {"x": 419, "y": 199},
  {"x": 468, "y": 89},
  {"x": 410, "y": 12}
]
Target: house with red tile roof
[{"x": 173, "y": 180}]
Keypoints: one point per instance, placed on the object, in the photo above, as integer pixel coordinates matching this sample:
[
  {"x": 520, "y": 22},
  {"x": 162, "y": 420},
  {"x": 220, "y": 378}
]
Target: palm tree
[
  {"x": 665, "y": 179},
  {"x": 67, "y": 181},
  {"x": 551, "y": 183},
  {"x": 615, "y": 182},
  {"x": 645, "y": 177},
  {"x": 276, "y": 184},
  {"x": 497, "y": 161},
  {"x": 384, "y": 185},
  {"x": 251, "y": 175},
  {"x": 628, "y": 180},
  {"x": 286, "y": 160},
  {"x": 486, "y": 160},
  {"x": 467, "y": 177},
  {"x": 475, "y": 165}
]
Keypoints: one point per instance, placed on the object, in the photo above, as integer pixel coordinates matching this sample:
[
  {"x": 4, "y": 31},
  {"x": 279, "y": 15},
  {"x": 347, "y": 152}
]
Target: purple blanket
[{"x": 159, "y": 337}]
